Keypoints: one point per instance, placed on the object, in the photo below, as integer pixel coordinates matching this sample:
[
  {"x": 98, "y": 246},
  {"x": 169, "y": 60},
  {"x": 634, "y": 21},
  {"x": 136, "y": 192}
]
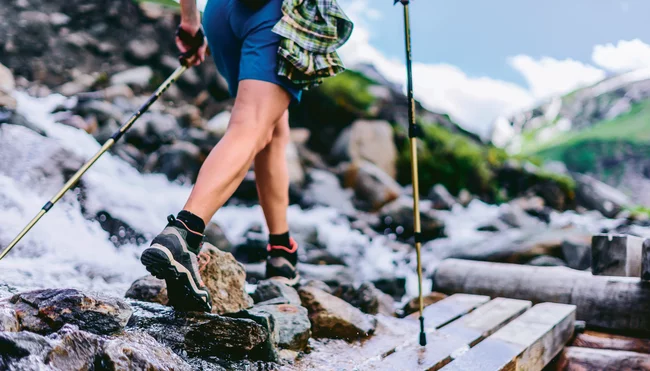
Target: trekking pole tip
[{"x": 423, "y": 339}]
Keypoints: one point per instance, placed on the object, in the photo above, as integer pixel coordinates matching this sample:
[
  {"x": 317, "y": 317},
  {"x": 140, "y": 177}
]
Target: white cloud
[
  {"x": 548, "y": 77},
  {"x": 623, "y": 57}
]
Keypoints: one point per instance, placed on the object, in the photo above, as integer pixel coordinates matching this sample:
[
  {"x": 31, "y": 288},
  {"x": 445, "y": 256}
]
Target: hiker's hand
[{"x": 191, "y": 41}]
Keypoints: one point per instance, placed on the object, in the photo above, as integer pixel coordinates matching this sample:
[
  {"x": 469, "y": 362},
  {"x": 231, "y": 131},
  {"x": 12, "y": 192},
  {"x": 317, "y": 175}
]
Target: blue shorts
[{"x": 243, "y": 45}]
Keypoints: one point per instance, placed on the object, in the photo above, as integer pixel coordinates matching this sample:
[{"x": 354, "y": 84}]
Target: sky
[{"x": 478, "y": 59}]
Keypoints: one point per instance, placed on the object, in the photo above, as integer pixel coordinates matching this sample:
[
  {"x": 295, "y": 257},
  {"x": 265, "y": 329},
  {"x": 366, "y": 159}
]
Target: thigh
[
  {"x": 260, "y": 106},
  {"x": 259, "y": 52},
  {"x": 224, "y": 44}
]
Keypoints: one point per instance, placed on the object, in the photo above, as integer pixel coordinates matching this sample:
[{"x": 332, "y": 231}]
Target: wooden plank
[
  {"x": 528, "y": 343},
  {"x": 390, "y": 333},
  {"x": 454, "y": 338},
  {"x": 578, "y": 359},
  {"x": 599, "y": 340},
  {"x": 600, "y": 300},
  {"x": 616, "y": 255}
]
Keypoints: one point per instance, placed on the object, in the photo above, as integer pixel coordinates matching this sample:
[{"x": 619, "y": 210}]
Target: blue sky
[{"x": 477, "y": 59}]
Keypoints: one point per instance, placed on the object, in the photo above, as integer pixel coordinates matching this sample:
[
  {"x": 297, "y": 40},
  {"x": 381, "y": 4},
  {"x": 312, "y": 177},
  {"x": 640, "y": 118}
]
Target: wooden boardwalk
[{"x": 464, "y": 333}]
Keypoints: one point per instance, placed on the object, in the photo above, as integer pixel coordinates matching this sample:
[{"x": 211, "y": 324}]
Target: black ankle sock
[
  {"x": 284, "y": 241},
  {"x": 280, "y": 240},
  {"x": 192, "y": 223}
]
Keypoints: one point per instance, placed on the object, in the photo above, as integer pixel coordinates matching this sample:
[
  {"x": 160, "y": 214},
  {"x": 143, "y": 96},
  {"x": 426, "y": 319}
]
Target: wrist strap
[{"x": 193, "y": 41}]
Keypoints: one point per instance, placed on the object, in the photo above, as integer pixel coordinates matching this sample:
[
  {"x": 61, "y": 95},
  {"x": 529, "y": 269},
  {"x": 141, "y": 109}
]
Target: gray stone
[
  {"x": 149, "y": 289},
  {"x": 46, "y": 311},
  {"x": 441, "y": 198},
  {"x": 180, "y": 161},
  {"x": 373, "y": 188},
  {"x": 325, "y": 189},
  {"x": 7, "y": 82},
  {"x": 547, "y": 261},
  {"x": 397, "y": 217},
  {"x": 367, "y": 298},
  {"x": 271, "y": 289},
  {"x": 368, "y": 141},
  {"x": 516, "y": 217},
  {"x": 142, "y": 50},
  {"x": 330, "y": 274},
  {"x": 332, "y": 317},
  {"x": 576, "y": 255},
  {"x": 8, "y": 320},
  {"x": 138, "y": 77},
  {"x": 292, "y": 325},
  {"x": 318, "y": 285},
  {"x": 595, "y": 195},
  {"x": 59, "y": 19},
  {"x": 294, "y": 165}
]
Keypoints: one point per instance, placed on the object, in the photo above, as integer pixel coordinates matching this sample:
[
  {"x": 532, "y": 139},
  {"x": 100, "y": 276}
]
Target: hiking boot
[
  {"x": 170, "y": 258},
  {"x": 281, "y": 264}
]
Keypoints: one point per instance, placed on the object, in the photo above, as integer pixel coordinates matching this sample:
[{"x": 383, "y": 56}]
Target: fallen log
[
  {"x": 577, "y": 359},
  {"x": 599, "y": 340},
  {"x": 617, "y": 304}
]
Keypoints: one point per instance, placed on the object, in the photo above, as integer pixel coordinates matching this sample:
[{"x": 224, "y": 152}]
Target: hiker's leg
[
  {"x": 272, "y": 178},
  {"x": 258, "y": 107}
]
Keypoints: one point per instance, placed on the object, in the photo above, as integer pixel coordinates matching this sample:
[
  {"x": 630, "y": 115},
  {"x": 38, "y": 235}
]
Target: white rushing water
[{"x": 65, "y": 249}]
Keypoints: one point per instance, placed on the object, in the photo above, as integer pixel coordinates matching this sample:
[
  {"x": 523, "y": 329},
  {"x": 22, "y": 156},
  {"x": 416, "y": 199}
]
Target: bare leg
[
  {"x": 272, "y": 177},
  {"x": 258, "y": 107}
]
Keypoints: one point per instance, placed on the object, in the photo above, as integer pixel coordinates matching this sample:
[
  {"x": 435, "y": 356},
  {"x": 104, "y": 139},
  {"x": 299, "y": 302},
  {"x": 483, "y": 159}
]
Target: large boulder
[
  {"x": 595, "y": 195},
  {"x": 74, "y": 349},
  {"x": 46, "y": 311},
  {"x": 215, "y": 236},
  {"x": 292, "y": 325},
  {"x": 179, "y": 161},
  {"x": 368, "y": 141},
  {"x": 332, "y": 317},
  {"x": 373, "y": 188},
  {"x": 201, "y": 334},
  {"x": 225, "y": 279}
]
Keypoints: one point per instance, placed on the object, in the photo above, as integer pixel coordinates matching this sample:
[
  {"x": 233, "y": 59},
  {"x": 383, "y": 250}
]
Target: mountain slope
[{"x": 602, "y": 130}]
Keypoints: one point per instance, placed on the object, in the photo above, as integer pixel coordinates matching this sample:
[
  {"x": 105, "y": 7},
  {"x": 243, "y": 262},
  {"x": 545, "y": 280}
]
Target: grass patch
[
  {"x": 167, "y": 3},
  {"x": 349, "y": 89}
]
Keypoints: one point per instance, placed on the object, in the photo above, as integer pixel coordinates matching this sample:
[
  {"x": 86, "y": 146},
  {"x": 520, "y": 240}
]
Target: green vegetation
[
  {"x": 349, "y": 89},
  {"x": 453, "y": 160},
  {"x": 168, "y": 3}
]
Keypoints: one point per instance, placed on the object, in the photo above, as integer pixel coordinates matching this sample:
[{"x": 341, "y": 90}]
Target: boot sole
[{"x": 182, "y": 291}]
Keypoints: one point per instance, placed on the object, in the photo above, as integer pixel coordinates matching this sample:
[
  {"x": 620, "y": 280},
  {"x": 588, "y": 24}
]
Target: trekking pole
[
  {"x": 414, "y": 132},
  {"x": 109, "y": 143}
]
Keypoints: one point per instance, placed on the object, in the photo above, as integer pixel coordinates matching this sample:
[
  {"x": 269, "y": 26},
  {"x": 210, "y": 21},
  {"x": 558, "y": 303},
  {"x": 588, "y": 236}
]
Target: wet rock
[
  {"x": 393, "y": 286},
  {"x": 160, "y": 128},
  {"x": 142, "y": 50},
  {"x": 372, "y": 187},
  {"x": 465, "y": 197},
  {"x": 80, "y": 84},
  {"x": 102, "y": 110},
  {"x": 219, "y": 123},
  {"x": 180, "y": 161},
  {"x": 225, "y": 278},
  {"x": 200, "y": 334},
  {"x": 576, "y": 255},
  {"x": 397, "y": 217},
  {"x": 324, "y": 188},
  {"x": 292, "y": 325},
  {"x": 441, "y": 198},
  {"x": 368, "y": 141},
  {"x": 115, "y": 91},
  {"x": 73, "y": 349},
  {"x": 59, "y": 19},
  {"x": 367, "y": 298},
  {"x": 255, "y": 272},
  {"x": 332, "y": 275},
  {"x": 547, "y": 261},
  {"x": 595, "y": 195},
  {"x": 46, "y": 311},
  {"x": 120, "y": 232},
  {"x": 413, "y": 305},
  {"x": 149, "y": 289},
  {"x": 215, "y": 236},
  {"x": 534, "y": 206},
  {"x": 332, "y": 317},
  {"x": 134, "y": 77},
  {"x": 271, "y": 289}
]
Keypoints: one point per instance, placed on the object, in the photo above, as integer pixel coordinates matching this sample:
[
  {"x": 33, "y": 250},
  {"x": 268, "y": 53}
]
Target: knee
[{"x": 256, "y": 131}]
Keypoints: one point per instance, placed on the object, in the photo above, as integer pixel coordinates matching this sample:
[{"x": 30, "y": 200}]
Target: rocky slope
[{"x": 601, "y": 130}]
